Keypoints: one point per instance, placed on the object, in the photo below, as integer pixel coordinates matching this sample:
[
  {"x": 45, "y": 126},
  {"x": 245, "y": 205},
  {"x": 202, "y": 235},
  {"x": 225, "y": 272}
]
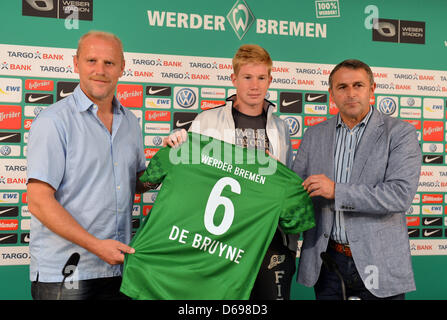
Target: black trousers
[{"x": 274, "y": 278}]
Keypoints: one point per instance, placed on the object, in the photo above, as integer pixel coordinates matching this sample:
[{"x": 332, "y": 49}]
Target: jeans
[
  {"x": 328, "y": 286},
  {"x": 92, "y": 289}
]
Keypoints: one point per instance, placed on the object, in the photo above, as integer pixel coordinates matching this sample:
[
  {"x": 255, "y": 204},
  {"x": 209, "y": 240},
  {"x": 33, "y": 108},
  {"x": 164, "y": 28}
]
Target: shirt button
[
  {"x": 116, "y": 163},
  {"x": 118, "y": 187}
]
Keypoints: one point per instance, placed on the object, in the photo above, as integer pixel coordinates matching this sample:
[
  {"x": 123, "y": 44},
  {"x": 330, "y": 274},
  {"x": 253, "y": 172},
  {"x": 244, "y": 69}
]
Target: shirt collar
[
  {"x": 83, "y": 103},
  {"x": 364, "y": 121}
]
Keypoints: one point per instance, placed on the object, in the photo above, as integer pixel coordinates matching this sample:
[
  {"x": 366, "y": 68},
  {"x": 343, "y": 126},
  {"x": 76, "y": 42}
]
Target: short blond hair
[
  {"x": 251, "y": 53},
  {"x": 100, "y": 34}
]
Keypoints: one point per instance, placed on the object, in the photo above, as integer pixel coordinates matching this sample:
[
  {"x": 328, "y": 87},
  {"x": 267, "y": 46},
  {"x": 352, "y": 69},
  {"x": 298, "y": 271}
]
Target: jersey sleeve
[
  {"x": 158, "y": 167},
  {"x": 297, "y": 214}
]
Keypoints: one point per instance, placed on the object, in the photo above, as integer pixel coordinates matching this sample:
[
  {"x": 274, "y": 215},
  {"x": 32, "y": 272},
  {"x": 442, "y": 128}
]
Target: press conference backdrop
[{"x": 178, "y": 63}]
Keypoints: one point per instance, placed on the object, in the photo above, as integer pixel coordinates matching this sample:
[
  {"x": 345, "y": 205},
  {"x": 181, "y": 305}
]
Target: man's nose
[
  {"x": 99, "y": 68},
  {"x": 254, "y": 84},
  {"x": 350, "y": 92}
]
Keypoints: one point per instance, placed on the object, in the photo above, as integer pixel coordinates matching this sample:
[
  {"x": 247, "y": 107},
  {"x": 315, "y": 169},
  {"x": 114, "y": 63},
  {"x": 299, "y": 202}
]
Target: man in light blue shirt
[{"x": 85, "y": 154}]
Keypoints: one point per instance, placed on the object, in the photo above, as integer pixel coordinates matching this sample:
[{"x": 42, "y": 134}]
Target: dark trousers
[
  {"x": 93, "y": 289},
  {"x": 274, "y": 278},
  {"x": 328, "y": 286}
]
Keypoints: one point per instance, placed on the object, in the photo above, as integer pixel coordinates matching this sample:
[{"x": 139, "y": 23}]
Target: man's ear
[
  {"x": 233, "y": 79},
  {"x": 75, "y": 63}
]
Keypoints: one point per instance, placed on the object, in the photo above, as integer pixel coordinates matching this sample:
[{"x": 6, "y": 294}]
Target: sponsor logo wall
[{"x": 166, "y": 92}]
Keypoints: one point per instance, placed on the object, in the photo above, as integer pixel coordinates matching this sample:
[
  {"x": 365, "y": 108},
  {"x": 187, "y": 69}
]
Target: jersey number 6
[{"x": 215, "y": 200}]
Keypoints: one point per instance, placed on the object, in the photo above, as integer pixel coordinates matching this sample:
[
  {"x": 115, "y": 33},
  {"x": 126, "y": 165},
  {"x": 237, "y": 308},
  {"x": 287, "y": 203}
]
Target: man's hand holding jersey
[{"x": 176, "y": 138}]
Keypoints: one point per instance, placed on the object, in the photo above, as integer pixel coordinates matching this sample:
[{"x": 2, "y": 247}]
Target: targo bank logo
[{"x": 240, "y": 18}]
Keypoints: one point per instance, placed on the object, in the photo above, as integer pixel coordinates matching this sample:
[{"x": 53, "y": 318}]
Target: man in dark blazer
[{"x": 361, "y": 169}]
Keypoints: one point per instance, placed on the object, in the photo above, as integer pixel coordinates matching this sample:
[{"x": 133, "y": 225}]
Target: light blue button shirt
[
  {"x": 346, "y": 142},
  {"x": 94, "y": 174}
]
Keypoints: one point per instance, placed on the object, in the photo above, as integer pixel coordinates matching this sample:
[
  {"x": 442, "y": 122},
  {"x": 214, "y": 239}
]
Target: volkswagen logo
[
  {"x": 185, "y": 98},
  {"x": 5, "y": 150},
  {"x": 387, "y": 106},
  {"x": 411, "y": 102},
  {"x": 433, "y": 147},
  {"x": 294, "y": 125},
  {"x": 157, "y": 140}
]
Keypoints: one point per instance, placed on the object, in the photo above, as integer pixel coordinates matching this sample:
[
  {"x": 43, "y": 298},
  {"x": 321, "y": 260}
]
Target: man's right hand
[
  {"x": 319, "y": 185},
  {"x": 43, "y": 205},
  {"x": 176, "y": 138}
]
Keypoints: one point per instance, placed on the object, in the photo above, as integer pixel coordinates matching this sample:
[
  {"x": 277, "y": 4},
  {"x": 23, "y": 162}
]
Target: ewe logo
[{"x": 240, "y": 18}]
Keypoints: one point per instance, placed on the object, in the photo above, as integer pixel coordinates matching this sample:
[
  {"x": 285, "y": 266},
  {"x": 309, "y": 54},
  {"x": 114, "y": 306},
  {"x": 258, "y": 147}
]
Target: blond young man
[{"x": 247, "y": 120}]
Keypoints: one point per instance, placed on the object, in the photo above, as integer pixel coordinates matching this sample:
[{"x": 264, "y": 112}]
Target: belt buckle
[
  {"x": 342, "y": 248},
  {"x": 346, "y": 250}
]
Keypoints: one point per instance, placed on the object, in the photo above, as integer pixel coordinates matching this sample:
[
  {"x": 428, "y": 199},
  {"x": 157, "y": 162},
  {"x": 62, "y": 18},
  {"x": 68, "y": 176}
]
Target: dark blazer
[{"x": 383, "y": 183}]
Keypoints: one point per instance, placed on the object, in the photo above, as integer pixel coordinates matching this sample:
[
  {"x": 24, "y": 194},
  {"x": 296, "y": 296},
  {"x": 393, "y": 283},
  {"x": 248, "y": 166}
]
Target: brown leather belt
[{"x": 341, "y": 248}]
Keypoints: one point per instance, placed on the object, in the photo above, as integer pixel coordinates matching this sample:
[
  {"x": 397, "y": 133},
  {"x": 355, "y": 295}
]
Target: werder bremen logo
[{"x": 240, "y": 18}]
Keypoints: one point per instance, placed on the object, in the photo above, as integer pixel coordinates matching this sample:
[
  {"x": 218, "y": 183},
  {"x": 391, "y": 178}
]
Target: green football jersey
[{"x": 212, "y": 222}]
